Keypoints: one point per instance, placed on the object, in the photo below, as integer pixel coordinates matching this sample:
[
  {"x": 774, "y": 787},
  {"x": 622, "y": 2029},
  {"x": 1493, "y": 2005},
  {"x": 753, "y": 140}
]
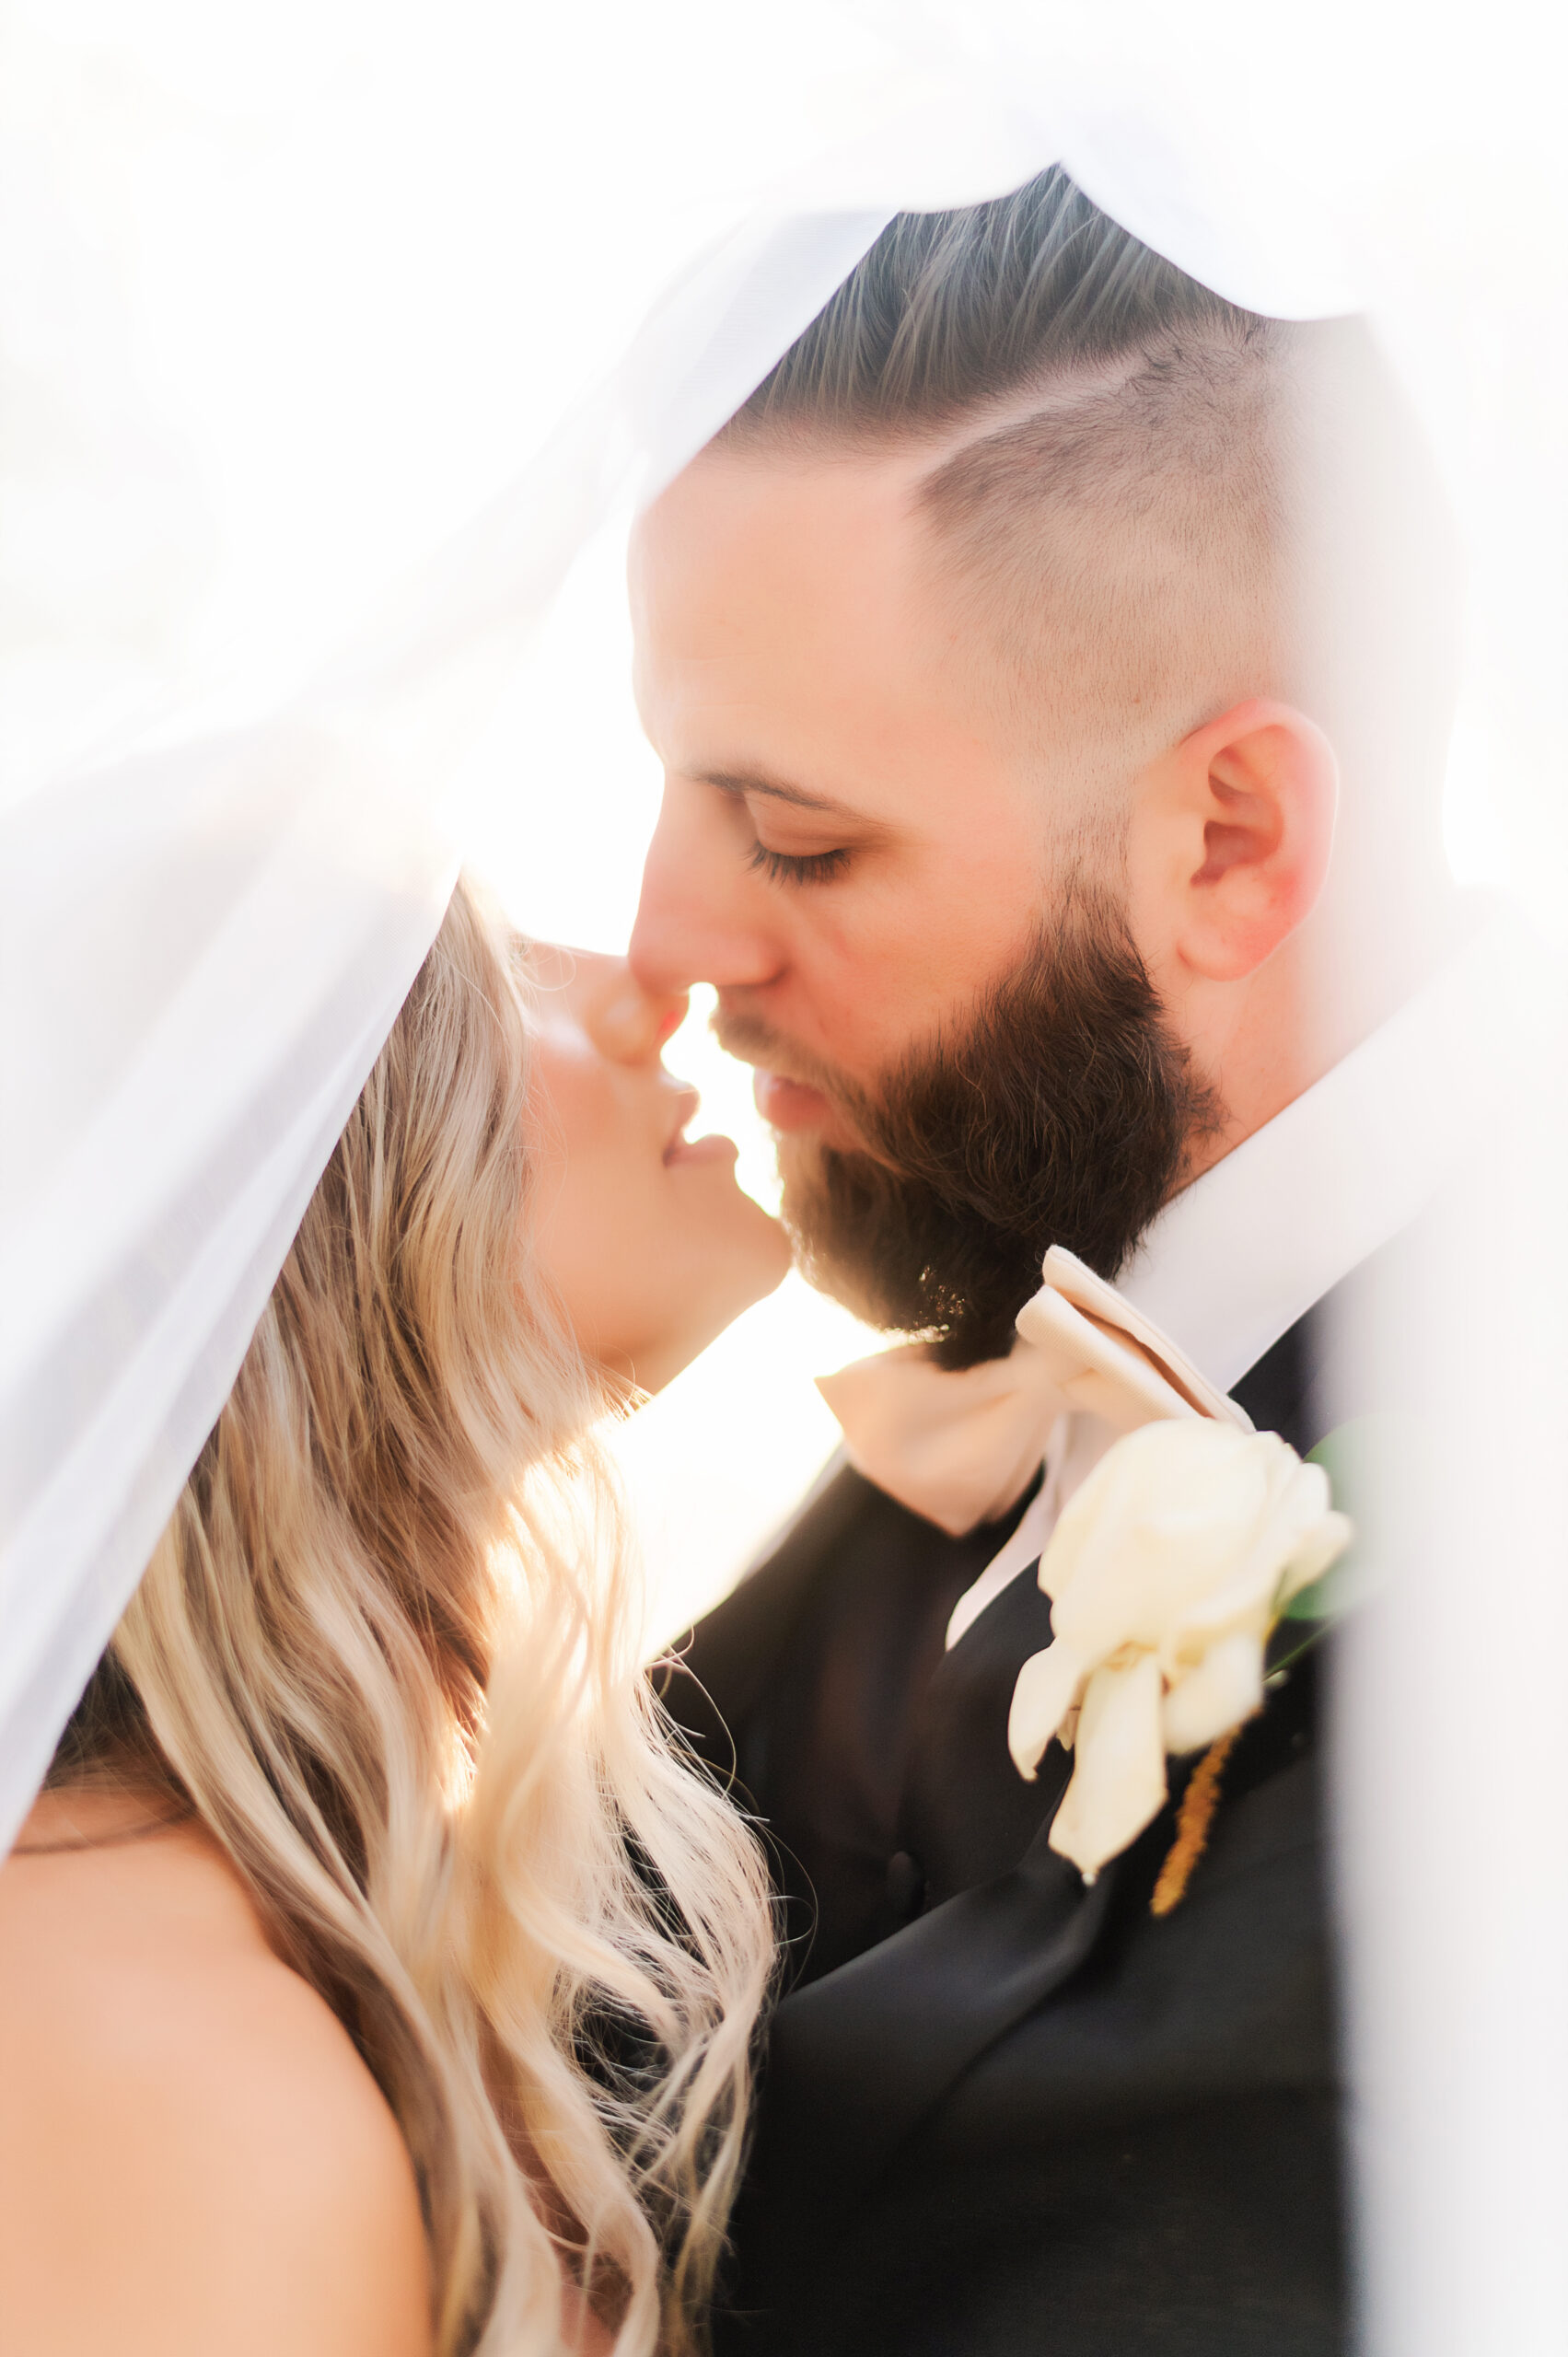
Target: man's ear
[{"x": 1238, "y": 823}]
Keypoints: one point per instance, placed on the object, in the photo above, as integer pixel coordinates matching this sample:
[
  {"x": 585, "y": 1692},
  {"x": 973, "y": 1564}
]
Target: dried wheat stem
[{"x": 1199, "y": 1803}]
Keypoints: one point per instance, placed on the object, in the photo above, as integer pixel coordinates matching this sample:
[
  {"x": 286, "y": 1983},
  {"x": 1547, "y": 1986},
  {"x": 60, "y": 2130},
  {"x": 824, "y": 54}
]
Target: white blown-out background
[{"x": 286, "y": 294}]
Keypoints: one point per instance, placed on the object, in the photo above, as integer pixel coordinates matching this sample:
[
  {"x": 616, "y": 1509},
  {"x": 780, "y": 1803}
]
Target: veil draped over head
[{"x": 206, "y": 945}]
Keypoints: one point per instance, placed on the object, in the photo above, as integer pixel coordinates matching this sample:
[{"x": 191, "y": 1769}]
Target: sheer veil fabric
[{"x": 206, "y": 945}]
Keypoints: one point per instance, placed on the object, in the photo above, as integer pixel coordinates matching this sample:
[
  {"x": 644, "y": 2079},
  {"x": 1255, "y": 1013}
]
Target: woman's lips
[
  {"x": 789, "y": 1104},
  {"x": 681, "y": 1148},
  {"x": 715, "y": 1148}
]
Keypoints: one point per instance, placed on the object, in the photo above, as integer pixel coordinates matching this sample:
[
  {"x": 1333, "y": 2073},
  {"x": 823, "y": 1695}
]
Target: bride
[{"x": 375, "y": 1974}]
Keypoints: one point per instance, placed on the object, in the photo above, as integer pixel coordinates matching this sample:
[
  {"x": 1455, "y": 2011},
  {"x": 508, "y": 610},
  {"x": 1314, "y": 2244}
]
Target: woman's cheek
[{"x": 629, "y": 1225}]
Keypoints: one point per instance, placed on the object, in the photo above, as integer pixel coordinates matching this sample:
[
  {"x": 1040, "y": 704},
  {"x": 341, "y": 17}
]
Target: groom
[{"x": 1047, "y": 664}]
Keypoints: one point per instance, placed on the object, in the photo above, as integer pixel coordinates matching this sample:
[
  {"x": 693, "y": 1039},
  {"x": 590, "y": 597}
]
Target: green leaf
[
  {"x": 1327, "y": 1598},
  {"x": 1355, "y": 1457}
]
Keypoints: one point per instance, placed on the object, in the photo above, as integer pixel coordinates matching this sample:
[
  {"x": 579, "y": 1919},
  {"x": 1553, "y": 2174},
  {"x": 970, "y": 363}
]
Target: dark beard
[{"x": 1065, "y": 1115}]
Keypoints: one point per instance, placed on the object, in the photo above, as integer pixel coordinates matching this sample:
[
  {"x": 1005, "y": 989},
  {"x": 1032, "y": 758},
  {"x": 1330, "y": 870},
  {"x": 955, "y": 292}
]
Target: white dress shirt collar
[{"x": 1234, "y": 1260}]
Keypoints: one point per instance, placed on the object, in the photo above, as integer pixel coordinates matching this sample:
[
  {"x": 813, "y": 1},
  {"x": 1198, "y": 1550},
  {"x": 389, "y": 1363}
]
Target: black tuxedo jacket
[{"x": 1003, "y": 2112}]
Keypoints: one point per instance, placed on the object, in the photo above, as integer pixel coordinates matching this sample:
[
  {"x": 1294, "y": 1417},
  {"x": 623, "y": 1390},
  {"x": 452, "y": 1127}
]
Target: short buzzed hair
[
  {"x": 1130, "y": 493},
  {"x": 949, "y": 312}
]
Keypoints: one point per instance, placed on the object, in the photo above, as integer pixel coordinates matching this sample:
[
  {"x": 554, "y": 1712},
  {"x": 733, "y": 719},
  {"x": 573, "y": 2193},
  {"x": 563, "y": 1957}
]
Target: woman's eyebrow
[{"x": 749, "y": 782}]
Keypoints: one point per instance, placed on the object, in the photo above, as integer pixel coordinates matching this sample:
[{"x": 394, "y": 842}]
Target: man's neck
[{"x": 1350, "y": 968}]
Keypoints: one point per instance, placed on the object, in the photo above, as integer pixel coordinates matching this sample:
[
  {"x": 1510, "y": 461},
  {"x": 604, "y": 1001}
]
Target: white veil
[{"x": 206, "y": 945}]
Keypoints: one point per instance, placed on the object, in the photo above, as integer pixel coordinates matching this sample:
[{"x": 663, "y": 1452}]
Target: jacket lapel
[
  {"x": 858, "y": 2058},
  {"x": 966, "y": 1815}
]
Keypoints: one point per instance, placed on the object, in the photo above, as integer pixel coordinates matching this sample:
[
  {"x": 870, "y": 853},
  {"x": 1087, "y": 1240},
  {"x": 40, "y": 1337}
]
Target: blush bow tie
[{"x": 961, "y": 1448}]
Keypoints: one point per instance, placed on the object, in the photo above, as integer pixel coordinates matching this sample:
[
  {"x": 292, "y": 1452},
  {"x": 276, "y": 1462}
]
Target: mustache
[
  {"x": 752, "y": 1041},
  {"x": 859, "y": 1109}
]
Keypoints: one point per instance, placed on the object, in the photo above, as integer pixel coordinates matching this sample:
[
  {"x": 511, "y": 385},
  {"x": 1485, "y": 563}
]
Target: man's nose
[
  {"x": 625, "y": 1022},
  {"x": 694, "y": 919}
]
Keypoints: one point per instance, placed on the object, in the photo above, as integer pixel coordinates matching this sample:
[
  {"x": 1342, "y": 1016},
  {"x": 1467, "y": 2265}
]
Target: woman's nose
[{"x": 625, "y": 1021}]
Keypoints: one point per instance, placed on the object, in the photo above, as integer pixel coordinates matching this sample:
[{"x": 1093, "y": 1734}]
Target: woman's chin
[
  {"x": 751, "y": 1260},
  {"x": 732, "y": 1224},
  {"x": 774, "y": 1258},
  {"x": 744, "y": 1255}
]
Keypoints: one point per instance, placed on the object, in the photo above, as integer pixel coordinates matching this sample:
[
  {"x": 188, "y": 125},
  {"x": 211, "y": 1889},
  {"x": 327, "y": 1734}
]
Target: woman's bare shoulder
[{"x": 192, "y": 2153}]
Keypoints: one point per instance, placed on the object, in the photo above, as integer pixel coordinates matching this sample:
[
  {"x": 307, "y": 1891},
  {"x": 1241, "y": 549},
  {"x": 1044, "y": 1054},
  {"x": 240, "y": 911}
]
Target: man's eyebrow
[{"x": 749, "y": 782}]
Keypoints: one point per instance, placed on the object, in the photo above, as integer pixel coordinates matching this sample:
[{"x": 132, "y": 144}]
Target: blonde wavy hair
[{"x": 388, "y": 1650}]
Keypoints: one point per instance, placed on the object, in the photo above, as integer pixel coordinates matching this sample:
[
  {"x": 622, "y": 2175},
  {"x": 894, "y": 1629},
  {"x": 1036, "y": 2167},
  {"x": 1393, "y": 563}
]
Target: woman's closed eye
[{"x": 796, "y": 867}]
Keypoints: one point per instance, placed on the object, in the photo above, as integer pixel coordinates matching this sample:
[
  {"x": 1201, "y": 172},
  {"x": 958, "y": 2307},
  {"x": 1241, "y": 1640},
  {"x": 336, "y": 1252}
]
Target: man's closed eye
[{"x": 797, "y": 867}]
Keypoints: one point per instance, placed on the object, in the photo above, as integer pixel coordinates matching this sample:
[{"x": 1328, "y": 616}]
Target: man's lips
[{"x": 790, "y": 1104}]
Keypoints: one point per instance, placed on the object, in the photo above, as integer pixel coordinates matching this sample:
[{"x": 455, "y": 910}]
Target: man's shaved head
[
  {"x": 1103, "y": 496},
  {"x": 1145, "y": 501}
]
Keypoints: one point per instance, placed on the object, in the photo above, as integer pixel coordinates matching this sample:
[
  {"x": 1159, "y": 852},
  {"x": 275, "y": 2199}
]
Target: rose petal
[
  {"x": 1243, "y": 1593},
  {"x": 1047, "y": 1687},
  {"x": 1226, "y": 1687},
  {"x": 1171, "y": 1515},
  {"x": 1117, "y": 1785},
  {"x": 1166, "y": 1568},
  {"x": 1316, "y": 1551}
]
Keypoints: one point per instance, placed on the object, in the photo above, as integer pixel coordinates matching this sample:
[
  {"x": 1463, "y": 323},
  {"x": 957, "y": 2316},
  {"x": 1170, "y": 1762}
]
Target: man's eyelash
[{"x": 792, "y": 867}]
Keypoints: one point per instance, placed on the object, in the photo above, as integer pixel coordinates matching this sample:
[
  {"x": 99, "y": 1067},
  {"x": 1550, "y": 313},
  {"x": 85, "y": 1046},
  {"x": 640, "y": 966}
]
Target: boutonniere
[{"x": 1168, "y": 1573}]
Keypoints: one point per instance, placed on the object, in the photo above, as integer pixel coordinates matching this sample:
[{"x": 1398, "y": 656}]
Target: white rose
[{"x": 1166, "y": 1573}]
